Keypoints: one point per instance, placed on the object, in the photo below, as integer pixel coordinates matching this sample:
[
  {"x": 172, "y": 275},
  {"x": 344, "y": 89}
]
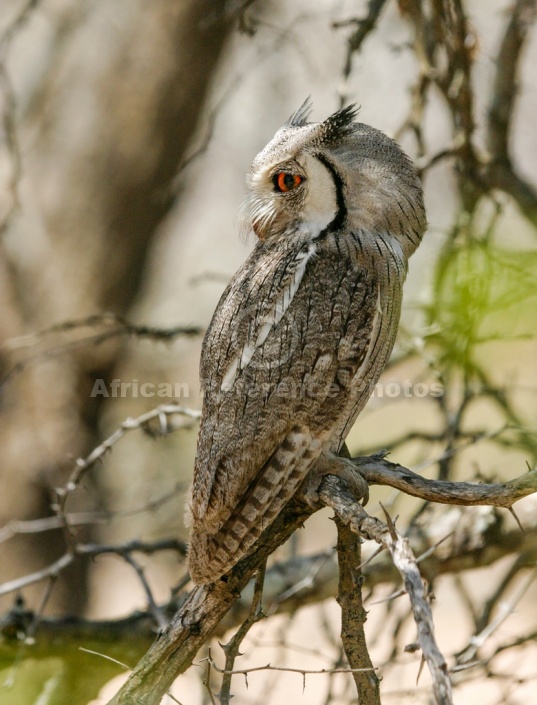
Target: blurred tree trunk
[{"x": 101, "y": 142}]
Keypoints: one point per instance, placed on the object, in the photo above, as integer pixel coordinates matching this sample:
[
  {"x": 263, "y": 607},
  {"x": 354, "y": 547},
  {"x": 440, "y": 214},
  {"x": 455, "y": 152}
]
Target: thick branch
[
  {"x": 175, "y": 648},
  {"x": 378, "y": 471},
  {"x": 354, "y": 616},
  {"x": 474, "y": 541}
]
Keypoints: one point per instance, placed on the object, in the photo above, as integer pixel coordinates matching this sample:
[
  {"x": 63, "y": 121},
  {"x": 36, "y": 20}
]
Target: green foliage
[
  {"x": 483, "y": 293},
  {"x": 56, "y": 671}
]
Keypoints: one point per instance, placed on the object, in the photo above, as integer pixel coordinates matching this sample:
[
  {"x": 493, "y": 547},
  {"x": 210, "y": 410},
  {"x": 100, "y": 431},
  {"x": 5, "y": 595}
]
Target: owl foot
[{"x": 331, "y": 464}]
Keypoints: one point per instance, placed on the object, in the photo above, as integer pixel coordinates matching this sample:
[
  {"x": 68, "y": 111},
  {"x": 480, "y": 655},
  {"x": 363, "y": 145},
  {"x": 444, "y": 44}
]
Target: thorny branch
[
  {"x": 335, "y": 494},
  {"x": 231, "y": 649},
  {"x": 202, "y": 611},
  {"x": 302, "y": 671},
  {"x": 163, "y": 416}
]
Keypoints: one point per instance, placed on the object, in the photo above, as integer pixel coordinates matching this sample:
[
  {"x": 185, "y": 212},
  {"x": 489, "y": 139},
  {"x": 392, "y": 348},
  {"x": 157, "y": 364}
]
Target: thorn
[
  {"x": 516, "y": 519},
  {"x": 412, "y": 648},
  {"x": 225, "y": 647},
  {"x": 381, "y": 454},
  {"x": 389, "y": 522},
  {"x": 420, "y": 670}
]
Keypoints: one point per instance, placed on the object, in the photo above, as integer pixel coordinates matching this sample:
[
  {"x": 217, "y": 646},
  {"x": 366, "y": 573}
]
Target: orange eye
[{"x": 284, "y": 182}]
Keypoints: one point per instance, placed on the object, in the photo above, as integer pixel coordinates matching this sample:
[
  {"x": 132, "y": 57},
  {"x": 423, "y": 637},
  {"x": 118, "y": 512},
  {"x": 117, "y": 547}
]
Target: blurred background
[{"x": 126, "y": 130}]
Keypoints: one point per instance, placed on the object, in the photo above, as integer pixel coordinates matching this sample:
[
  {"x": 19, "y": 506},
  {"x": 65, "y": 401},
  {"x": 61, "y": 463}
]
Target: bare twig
[
  {"x": 51, "y": 571},
  {"x": 36, "y": 526},
  {"x": 158, "y": 614},
  {"x": 125, "y": 550},
  {"x": 82, "y": 465},
  {"x": 231, "y": 649},
  {"x": 129, "y": 547},
  {"x": 476, "y": 642},
  {"x": 505, "y": 88},
  {"x": 364, "y": 26},
  {"x": 116, "y": 327}
]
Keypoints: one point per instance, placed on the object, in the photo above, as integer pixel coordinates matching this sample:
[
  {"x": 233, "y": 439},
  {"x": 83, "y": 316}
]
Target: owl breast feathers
[{"x": 305, "y": 327}]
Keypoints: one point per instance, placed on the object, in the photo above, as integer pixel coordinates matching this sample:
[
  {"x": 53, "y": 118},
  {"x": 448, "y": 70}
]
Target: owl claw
[
  {"x": 309, "y": 491},
  {"x": 356, "y": 481},
  {"x": 340, "y": 467}
]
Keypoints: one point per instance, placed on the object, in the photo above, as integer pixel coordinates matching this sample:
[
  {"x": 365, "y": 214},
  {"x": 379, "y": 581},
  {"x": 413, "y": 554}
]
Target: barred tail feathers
[{"x": 213, "y": 554}]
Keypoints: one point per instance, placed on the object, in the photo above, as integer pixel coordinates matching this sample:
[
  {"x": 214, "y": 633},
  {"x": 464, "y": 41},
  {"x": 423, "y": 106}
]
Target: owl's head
[{"x": 334, "y": 177}]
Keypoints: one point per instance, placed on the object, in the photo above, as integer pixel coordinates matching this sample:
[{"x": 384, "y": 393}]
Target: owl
[{"x": 303, "y": 330}]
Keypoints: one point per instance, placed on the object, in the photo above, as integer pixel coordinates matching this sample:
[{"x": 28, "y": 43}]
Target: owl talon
[
  {"x": 340, "y": 467},
  {"x": 309, "y": 493},
  {"x": 356, "y": 481}
]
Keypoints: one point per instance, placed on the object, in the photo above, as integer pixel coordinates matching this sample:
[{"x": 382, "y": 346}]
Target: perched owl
[{"x": 303, "y": 330}]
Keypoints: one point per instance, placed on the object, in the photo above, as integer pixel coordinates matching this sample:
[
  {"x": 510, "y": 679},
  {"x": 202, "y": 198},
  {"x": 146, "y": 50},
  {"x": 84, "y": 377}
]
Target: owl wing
[{"x": 279, "y": 361}]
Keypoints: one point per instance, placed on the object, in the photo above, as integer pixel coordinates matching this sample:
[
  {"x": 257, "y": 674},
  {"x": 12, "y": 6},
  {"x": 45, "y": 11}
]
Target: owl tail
[{"x": 213, "y": 554}]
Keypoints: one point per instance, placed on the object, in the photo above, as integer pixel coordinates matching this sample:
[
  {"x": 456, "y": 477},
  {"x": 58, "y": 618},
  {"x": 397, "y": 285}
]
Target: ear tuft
[
  {"x": 340, "y": 124},
  {"x": 300, "y": 117}
]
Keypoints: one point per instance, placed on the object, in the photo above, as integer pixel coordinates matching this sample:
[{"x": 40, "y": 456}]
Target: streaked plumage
[{"x": 305, "y": 327}]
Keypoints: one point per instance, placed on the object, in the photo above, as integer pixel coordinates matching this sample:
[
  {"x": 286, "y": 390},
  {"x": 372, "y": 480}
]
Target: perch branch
[
  {"x": 378, "y": 471},
  {"x": 206, "y": 606}
]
